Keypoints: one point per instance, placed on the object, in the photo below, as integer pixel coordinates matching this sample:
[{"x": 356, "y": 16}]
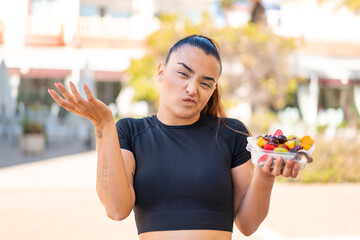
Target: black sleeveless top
[{"x": 183, "y": 173}]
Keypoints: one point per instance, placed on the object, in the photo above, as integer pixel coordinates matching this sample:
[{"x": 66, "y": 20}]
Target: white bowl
[{"x": 257, "y": 153}]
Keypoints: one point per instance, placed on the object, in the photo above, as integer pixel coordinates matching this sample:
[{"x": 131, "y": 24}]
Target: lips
[{"x": 189, "y": 100}]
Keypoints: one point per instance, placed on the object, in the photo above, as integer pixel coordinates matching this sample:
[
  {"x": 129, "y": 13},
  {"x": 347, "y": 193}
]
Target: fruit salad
[{"x": 276, "y": 145}]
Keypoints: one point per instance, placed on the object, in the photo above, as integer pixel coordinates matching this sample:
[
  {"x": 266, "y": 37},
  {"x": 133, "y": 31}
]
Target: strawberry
[
  {"x": 269, "y": 147},
  {"x": 278, "y": 132},
  {"x": 263, "y": 158}
]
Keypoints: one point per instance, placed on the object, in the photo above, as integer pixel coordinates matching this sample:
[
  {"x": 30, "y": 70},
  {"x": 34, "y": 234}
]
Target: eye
[
  {"x": 205, "y": 84},
  {"x": 182, "y": 74}
]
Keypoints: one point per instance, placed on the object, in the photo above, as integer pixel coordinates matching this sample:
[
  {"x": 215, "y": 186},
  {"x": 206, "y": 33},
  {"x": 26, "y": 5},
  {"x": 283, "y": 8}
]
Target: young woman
[{"x": 185, "y": 171}]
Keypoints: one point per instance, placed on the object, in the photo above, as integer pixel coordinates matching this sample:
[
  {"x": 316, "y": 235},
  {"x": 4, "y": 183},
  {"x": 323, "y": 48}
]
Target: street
[{"x": 56, "y": 199}]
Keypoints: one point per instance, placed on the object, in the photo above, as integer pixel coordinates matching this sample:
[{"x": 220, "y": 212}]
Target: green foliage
[
  {"x": 264, "y": 57},
  {"x": 334, "y": 162},
  {"x": 321, "y": 128},
  {"x": 261, "y": 120},
  {"x": 262, "y": 54},
  {"x": 142, "y": 78},
  {"x": 142, "y": 72},
  {"x": 162, "y": 39},
  {"x": 31, "y": 123},
  {"x": 30, "y": 127},
  {"x": 226, "y": 4},
  {"x": 174, "y": 27}
]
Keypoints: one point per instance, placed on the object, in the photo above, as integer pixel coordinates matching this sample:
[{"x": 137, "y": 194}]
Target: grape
[
  {"x": 282, "y": 139},
  {"x": 274, "y": 140}
]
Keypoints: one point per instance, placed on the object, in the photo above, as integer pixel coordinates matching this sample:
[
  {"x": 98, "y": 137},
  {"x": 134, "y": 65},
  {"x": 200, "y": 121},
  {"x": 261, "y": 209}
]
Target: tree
[
  {"x": 262, "y": 57},
  {"x": 353, "y": 5},
  {"x": 142, "y": 72},
  {"x": 258, "y": 12},
  {"x": 141, "y": 77},
  {"x": 254, "y": 49}
]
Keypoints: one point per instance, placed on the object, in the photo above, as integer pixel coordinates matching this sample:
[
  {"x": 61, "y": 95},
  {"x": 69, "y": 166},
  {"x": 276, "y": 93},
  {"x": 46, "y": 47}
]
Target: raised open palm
[{"x": 90, "y": 108}]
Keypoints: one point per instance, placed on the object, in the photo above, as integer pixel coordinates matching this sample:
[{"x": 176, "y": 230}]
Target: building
[
  {"x": 44, "y": 41},
  {"x": 328, "y": 55},
  {"x": 51, "y": 41},
  {"x": 48, "y": 41}
]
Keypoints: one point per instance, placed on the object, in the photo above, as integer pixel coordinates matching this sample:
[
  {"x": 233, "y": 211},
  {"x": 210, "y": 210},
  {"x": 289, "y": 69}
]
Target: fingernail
[
  {"x": 84, "y": 85},
  {"x": 71, "y": 84},
  {"x": 56, "y": 83},
  {"x": 49, "y": 91}
]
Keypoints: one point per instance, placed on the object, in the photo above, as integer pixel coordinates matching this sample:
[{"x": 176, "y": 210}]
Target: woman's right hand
[{"x": 93, "y": 109}]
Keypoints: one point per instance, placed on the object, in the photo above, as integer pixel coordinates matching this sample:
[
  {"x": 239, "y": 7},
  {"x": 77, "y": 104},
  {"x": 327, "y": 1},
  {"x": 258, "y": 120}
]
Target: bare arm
[
  {"x": 252, "y": 192},
  {"x": 115, "y": 171},
  {"x": 115, "y": 167}
]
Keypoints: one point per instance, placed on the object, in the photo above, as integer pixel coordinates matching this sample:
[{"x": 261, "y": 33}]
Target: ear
[{"x": 160, "y": 72}]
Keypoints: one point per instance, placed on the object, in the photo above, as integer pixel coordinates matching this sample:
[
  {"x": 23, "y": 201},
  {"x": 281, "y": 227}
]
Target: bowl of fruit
[{"x": 278, "y": 145}]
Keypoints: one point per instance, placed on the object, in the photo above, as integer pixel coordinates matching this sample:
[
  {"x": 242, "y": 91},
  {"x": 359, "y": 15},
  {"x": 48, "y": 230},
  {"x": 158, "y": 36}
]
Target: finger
[
  {"x": 68, "y": 106},
  {"x": 67, "y": 95},
  {"x": 295, "y": 170},
  {"x": 278, "y": 165},
  {"x": 288, "y": 168},
  {"x": 90, "y": 97},
  {"x": 77, "y": 98},
  {"x": 267, "y": 166},
  {"x": 59, "y": 100}
]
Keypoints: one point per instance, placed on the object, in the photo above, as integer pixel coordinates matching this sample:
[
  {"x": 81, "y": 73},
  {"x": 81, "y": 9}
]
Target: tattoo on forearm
[
  {"x": 104, "y": 175},
  {"x": 98, "y": 133}
]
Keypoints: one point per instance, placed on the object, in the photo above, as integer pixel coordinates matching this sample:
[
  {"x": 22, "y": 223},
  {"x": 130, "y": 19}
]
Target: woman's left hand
[{"x": 291, "y": 168}]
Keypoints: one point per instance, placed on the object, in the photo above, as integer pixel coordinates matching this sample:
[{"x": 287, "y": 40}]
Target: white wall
[
  {"x": 319, "y": 22},
  {"x": 13, "y": 13},
  {"x": 68, "y": 13}
]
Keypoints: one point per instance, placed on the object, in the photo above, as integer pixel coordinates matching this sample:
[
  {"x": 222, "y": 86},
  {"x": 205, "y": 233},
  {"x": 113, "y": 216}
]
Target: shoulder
[
  {"x": 150, "y": 120},
  {"x": 226, "y": 125},
  {"x": 135, "y": 125},
  {"x": 235, "y": 125}
]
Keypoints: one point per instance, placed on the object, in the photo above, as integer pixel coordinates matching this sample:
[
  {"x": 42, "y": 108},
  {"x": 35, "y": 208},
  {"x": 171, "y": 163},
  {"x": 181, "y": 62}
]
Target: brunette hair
[{"x": 210, "y": 47}]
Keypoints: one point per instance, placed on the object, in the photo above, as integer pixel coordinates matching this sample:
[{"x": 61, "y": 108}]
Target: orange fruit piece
[
  {"x": 306, "y": 140},
  {"x": 306, "y": 146},
  {"x": 261, "y": 142},
  {"x": 290, "y": 143}
]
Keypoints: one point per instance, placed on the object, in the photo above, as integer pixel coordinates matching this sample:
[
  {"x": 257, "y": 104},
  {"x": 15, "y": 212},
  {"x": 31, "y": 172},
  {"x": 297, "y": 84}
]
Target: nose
[{"x": 191, "y": 88}]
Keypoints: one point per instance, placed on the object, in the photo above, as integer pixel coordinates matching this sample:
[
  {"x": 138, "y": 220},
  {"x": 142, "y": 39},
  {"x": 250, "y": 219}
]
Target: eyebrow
[{"x": 192, "y": 71}]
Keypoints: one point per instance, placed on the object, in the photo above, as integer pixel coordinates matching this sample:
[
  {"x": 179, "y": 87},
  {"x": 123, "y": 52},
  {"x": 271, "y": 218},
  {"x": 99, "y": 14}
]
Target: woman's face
[{"x": 187, "y": 82}]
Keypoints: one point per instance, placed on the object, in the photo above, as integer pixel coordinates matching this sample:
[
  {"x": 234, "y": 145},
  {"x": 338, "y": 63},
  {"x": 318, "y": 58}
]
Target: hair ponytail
[{"x": 214, "y": 106}]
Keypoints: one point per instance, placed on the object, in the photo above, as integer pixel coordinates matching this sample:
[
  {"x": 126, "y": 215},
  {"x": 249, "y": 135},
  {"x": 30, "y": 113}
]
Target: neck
[{"x": 172, "y": 120}]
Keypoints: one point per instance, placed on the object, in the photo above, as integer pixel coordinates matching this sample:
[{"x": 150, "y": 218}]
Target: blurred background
[{"x": 288, "y": 64}]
